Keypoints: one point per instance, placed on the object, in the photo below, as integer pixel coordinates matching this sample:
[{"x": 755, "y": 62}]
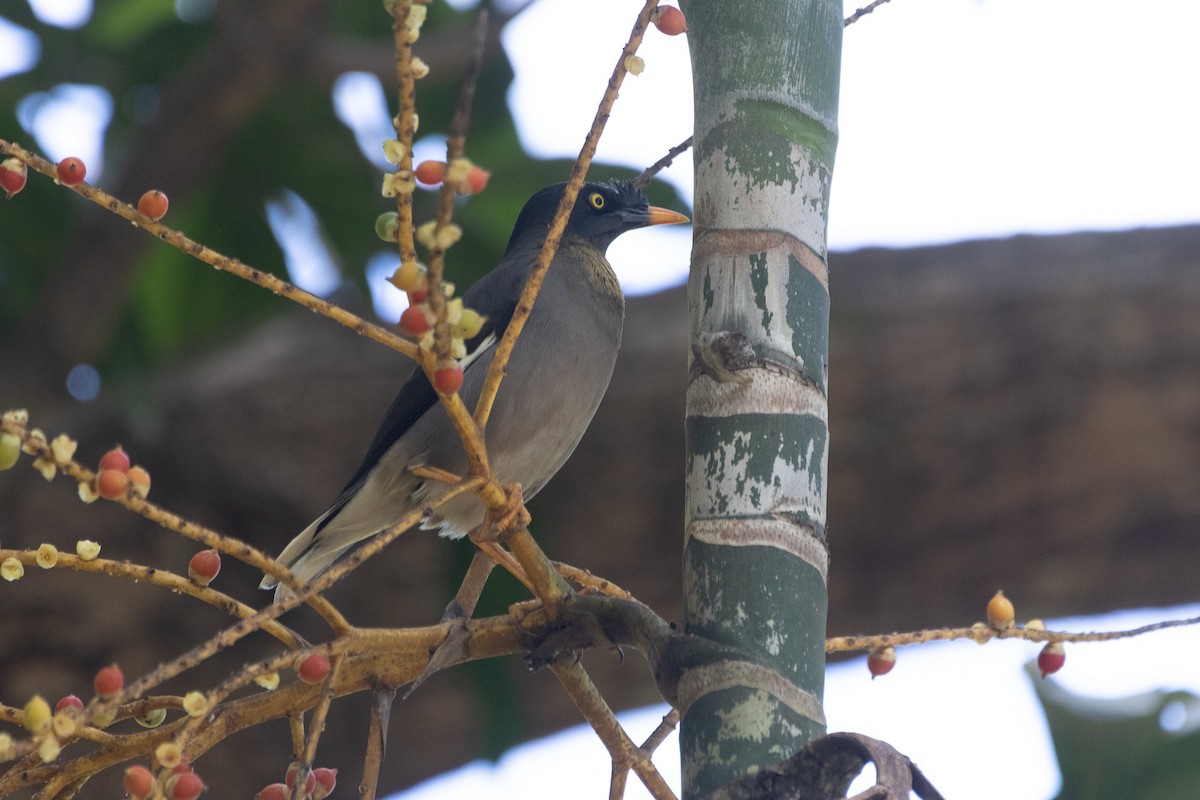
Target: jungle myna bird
[{"x": 556, "y": 375}]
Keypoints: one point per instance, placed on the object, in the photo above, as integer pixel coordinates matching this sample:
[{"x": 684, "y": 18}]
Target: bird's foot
[{"x": 512, "y": 516}]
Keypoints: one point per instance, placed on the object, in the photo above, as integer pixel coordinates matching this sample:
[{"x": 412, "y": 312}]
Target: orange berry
[
  {"x": 111, "y": 484},
  {"x": 1000, "y": 612},
  {"x": 153, "y": 204},
  {"x": 431, "y": 172},
  {"x": 669, "y": 20},
  {"x": 476, "y": 180},
  {"x": 139, "y": 479},
  {"x": 139, "y": 782},
  {"x": 204, "y": 566},
  {"x": 109, "y": 682}
]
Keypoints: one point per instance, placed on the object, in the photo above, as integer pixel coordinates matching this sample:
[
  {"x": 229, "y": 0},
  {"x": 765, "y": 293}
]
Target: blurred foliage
[
  {"x": 1146, "y": 746},
  {"x": 292, "y": 140}
]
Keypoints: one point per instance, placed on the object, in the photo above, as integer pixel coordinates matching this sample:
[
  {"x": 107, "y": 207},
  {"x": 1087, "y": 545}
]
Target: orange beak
[{"x": 664, "y": 216}]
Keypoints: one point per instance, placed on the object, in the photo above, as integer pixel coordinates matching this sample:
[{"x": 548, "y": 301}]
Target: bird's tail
[{"x": 305, "y": 557}]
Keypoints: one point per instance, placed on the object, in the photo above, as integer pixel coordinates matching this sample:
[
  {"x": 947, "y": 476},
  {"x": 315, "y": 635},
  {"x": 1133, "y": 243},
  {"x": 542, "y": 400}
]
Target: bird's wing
[{"x": 493, "y": 296}]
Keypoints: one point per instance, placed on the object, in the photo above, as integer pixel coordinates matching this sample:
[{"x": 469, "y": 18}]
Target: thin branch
[
  {"x": 862, "y": 12},
  {"x": 496, "y": 369},
  {"x": 156, "y": 576},
  {"x": 173, "y": 522},
  {"x": 596, "y": 711},
  {"x": 214, "y": 259},
  {"x": 644, "y": 179}
]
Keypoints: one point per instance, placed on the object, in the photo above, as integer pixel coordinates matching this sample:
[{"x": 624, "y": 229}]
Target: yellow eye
[{"x": 597, "y": 200}]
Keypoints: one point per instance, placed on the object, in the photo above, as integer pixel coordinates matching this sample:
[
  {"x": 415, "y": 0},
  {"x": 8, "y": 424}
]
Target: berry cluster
[{"x": 116, "y": 476}]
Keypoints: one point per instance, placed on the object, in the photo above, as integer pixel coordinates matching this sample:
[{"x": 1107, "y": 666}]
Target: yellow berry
[
  {"x": 11, "y": 569},
  {"x": 86, "y": 549}
]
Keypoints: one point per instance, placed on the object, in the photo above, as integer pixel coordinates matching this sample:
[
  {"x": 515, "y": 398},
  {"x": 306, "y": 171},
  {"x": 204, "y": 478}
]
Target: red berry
[
  {"x": 476, "y": 180},
  {"x": 184, "y": 786},
  {"x": 447, "y": 379},
  {"x": 12, "y": 175},
  {"x": 153, "y": 204},
  {"x": 71, "y": 171},
  {"x": 1051, "y": 659},
  {"x": 326, "y": 780},
  {"x": 109, "y": 682},
  {"x": 881, "y": 661},
  {"x": 116, "y": 459},
  {"x": 431, "y": 172},
  {"x": 204, "y": 566},
  {"x": 111, "y": 483},
  {"x": 413, "y": 321},
  {"x": 314, "y": 668},
  {"x": 669, "y": 20},
  {"x": 418, "y": 296},
  {"x": 139, "y": 782},
  {"x": 310, "y": 780},
  {"x": 184, "y": 765},
  {"x": 276, "y": 791},
  {"x": 69, "y": 702}
]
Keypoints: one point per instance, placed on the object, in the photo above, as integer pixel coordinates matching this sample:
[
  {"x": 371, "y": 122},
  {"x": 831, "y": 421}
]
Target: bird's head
[{"x": 603, "y": 211}]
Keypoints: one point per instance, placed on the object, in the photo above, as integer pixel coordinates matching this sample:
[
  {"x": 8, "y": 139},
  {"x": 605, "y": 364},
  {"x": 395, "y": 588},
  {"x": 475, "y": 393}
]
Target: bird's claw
[{"x": 511, "y": 517}]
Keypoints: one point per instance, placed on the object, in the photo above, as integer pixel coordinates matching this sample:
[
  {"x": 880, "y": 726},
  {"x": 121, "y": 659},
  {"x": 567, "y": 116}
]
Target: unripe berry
[
  {"x": 109, "y": 682},
  {"x": 71, "y": 171},
  {"x": 111, "y": 484},
  {"x": 408, "y": 277},
  {"x": 139, "y": 481},
  {"x": 314, "y": 668},
  {"x": 387, "y": 226},
  {"x": 139, "y": 782},
  {"x": 37, "y": 715},
  {"x": 13, "y": 175},
  {"x": 116, "y": 459},
  {"x": 153, "y": 204},
  {"x": 669, "y": 20},
  {"x": 204, "y": 566},
  {"x": 1051, "y": 659},
  {"x": 10, "y": 450},
  {"x": 152, "y": 718},
  {"x": 1000, "y": 612},
  {"x": 881, "y": 661}
]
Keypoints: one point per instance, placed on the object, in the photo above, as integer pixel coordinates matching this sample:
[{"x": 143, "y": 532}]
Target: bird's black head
[{"x": 602, "y": 213}]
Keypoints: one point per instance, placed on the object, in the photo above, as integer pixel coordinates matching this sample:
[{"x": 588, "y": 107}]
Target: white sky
[{"x": 959, "y": 119}]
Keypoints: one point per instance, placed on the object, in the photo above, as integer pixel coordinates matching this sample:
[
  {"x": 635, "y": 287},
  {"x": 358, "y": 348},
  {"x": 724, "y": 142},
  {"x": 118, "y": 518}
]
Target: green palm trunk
[{"x": 755, "y": 556}]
